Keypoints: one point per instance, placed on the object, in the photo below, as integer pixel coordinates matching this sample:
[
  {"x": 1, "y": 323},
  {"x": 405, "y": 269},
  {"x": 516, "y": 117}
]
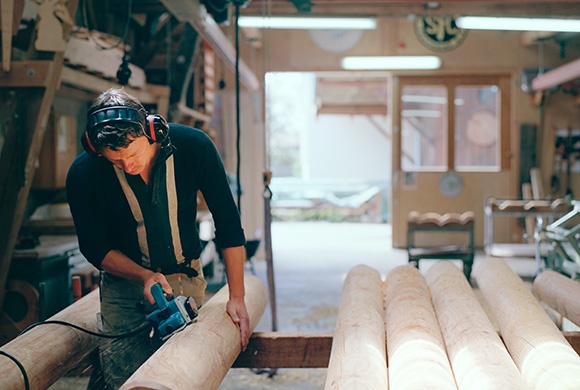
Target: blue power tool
[{"x": 172, "y": 314}]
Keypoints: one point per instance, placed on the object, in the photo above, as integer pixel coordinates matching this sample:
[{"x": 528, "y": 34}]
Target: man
[{"x": 133, "y": 198}]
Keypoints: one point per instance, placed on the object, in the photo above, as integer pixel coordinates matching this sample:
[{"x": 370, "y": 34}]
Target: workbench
[{"x": 542, "y": 212}]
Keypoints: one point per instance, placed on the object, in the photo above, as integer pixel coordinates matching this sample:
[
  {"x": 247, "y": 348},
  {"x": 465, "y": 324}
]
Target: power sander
[{"x": 172, "y": 314}]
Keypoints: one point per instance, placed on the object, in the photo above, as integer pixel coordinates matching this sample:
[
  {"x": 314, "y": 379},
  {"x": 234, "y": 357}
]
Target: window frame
[{"x": 450, "y": 82}]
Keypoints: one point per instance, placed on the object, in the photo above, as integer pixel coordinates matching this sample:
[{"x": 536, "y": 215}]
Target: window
[{"x": 470, "y": 134}]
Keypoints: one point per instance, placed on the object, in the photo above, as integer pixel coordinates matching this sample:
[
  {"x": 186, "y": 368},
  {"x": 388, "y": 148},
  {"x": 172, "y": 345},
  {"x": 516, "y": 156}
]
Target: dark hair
[{"x": 118, "y": 133}]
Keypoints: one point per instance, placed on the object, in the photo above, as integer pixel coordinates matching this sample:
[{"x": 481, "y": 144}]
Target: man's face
[{"x": 134, "y": 158}]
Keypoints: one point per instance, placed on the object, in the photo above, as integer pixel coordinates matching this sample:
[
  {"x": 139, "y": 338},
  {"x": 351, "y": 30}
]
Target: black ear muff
[
  {"x": 157, "y": 128},
  {"x": 114, "y": 114},
  {"x": 88, "y": 145}
]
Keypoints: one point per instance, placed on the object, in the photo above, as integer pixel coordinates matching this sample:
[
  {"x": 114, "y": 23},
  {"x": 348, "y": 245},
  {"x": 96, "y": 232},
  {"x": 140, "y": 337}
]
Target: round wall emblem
[{"x": 439, "y": 33}]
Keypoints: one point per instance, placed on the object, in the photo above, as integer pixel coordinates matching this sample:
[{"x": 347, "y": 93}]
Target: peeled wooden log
[
  {"x": 358, "y": 356},
  {"x": 200, "y": 356},
  {"x": 48, "y": 351},
  {"x": 542, "y": 354},
  {"x": 415, "y": 347},
  {"x": 560, "y": 293},
  {"x": 478, "y": 356}
]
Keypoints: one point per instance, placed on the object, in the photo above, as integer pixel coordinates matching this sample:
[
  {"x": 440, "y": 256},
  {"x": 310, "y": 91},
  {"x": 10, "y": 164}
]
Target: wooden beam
[
  {"x": 415, "y": 347},
  {"x": 48, "y": 351},
  {"x": 350, "y": 109},
  {"x": 6, "y": 9},
  {"x": 29, "y": 74},
  {"x": 286, "y": 350},
  {"x": 543, "y": 356},
  {"x": 358, "y": 356},
  {"x": 554, "y": 77},
  {"x": 478, "y": 356},
  {"x": 33, "y": 106},
  {"x": 560, "y": 293},
  {"x": 206, "y": 349}
]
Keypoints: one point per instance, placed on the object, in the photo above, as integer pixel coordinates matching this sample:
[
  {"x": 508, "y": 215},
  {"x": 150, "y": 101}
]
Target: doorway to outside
[{"x": 329, "y": 146}]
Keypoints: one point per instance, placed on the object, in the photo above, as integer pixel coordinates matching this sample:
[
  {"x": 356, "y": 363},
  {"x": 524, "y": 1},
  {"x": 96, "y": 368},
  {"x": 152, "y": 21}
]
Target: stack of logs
[
  {"x": 407, "y": 332},
  {"x": 415, "y": 332}
]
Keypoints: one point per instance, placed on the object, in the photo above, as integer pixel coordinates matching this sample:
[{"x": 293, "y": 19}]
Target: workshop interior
[{"x": 461, "y": 137}]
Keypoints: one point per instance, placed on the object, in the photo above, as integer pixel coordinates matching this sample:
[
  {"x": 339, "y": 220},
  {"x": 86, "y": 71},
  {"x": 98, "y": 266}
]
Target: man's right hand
[
  {"x": 120, "y": 265},
  {"x": 153, "y": 279}
]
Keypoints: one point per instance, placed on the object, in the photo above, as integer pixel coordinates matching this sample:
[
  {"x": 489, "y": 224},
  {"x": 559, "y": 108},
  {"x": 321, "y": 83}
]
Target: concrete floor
[{"x": 311, "y": 261}]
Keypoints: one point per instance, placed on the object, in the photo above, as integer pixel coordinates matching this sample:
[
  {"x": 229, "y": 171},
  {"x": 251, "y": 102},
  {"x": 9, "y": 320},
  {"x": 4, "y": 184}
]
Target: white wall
[{"x": 349, "y": 146}]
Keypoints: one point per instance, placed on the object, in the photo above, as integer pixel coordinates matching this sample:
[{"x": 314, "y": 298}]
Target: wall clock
[
  {"x": 439, "y": 33},
  {"x": 450, "y": 184}
]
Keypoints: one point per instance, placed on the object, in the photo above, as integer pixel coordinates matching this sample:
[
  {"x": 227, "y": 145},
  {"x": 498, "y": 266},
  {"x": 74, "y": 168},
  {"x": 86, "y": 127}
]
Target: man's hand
[
  {"x": 153, "y": 279},
  {"x": 120, "y": 265},
  {"x": 236, "y": 308}
]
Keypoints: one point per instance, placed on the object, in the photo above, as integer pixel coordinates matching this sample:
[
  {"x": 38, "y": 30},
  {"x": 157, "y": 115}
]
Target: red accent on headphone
[
  {"x": 88, "y": 139},
  {"x": 152, "y": 134}
]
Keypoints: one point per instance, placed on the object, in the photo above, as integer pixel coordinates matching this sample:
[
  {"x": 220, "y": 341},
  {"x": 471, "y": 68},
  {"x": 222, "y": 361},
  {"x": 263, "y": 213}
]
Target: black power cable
[
  {"x": 133, "y": 332},
  {"x": 238, "y": 135}
]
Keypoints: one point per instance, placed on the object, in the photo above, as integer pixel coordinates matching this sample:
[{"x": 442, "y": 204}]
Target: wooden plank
[
  {"x": 415, "y": 347},
  {"x": 358, "y": 356},
  {"x": 7, "y": 9},
  {"x": 206, "y": 350},
  {"x": 48, "y": 351},
  {"x": 478, "y": 356},
  {"x": 286, "y": 350},
  {"x": 152, "y": 94},
  {"x": 29, "y": 74},
  {"x": 543, "y": 356},
  {"x": 83, "y": 52},
  {"x": 560, "y": 293}
]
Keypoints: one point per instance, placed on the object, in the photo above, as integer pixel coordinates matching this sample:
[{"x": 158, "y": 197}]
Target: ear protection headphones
[{"x": 156, "y": 128}]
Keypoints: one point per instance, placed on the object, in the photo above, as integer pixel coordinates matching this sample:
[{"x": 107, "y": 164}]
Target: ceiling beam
[{"x": 554, "y": 77}]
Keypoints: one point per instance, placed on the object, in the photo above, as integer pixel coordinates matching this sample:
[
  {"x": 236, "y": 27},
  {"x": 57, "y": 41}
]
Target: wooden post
[
  {"x": 478, "y": 357},
  {"x": 560, "y": 293},
  {"x": 200, "y": 356},
  {"x": 48, "y": 351},
  {"x": 358, "y": 356},
  {"x": 416, "y": 352},
  {"x": 543, "y": 356}
]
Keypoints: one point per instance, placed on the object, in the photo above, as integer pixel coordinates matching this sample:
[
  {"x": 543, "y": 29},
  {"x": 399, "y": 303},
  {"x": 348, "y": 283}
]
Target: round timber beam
[
  {"x": 478, "y": 356},
  {"x": 415, "y": 347},
  {"x": 200, "y": 356},
  {"x": 542, "y": 354},
  {"x": 358, "y": 355}
]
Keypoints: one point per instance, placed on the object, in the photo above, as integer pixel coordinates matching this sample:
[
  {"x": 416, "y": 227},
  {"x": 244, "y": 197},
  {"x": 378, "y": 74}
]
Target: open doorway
[{"x": 329, "y": 146}]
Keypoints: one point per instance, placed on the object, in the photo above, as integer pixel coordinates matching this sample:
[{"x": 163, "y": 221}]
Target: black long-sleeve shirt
[{"x": 154, "y": 224}]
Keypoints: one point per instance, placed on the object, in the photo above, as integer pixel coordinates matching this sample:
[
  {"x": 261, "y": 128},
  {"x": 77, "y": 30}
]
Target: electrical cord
[
  {"x": 95, "y": 40},
  {"x": 238, "y": 126},
  {"x": 20, "y": 366},
  {"x": 133, "y": 332}
]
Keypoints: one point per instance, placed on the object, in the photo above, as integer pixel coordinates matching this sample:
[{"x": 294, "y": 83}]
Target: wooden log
[
  {"x": 542, "y": 354},
  {"x": 560, "y": 293},
  {"x": 478, "y": 356},
  {"x": 200, "y": 356},
  {"x": 48, "y": 351},
  {"x": 415, "y": 347},
  {"x": 358, "y": 356}
]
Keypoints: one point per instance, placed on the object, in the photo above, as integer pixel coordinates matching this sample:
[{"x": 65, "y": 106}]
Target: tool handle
[{"x": 157, "y": 293}]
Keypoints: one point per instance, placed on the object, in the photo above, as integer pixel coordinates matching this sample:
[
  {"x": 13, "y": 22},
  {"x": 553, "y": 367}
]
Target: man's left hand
[{"x": 236, "y": 308}]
